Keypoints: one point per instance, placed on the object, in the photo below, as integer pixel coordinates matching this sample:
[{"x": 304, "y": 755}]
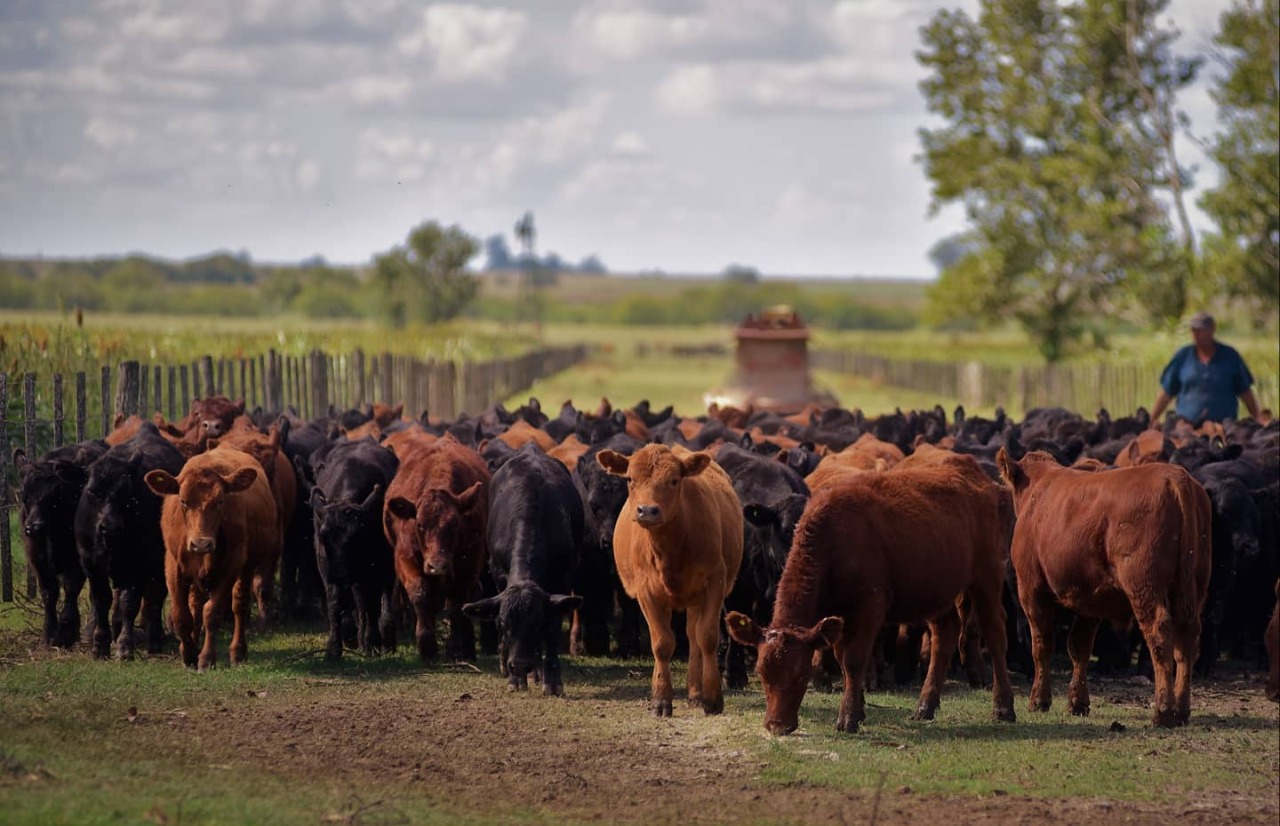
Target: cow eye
[{"x": 675, "y": 482}]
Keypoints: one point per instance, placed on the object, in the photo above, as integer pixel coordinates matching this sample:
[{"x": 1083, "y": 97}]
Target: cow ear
[
  {"x": 762, "y": 516},
  {"x": 402, "y": 508},
  {"x": 241, "y": 480},
  {"x": 743, "y": 629},
  {"x": 613, "y": 462},
  {"x": 70, "y": 472},
  {"x": 371, "y": 501},
  {"x": 695, "y": 464},
  {"x": 238, "y": 409},
  {"x": 827, "y": 632},
  {"x": 1010, "y": 470},
  {"x": 161, "y": 483},
  {"x": 565, "y": 604},
  {"x": 485, "y": 609},
  {"x": 470, "y": 497}
]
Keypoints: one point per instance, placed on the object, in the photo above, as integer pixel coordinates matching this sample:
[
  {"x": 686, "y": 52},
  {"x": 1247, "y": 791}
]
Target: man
[{"x": 1206, "y": 377}]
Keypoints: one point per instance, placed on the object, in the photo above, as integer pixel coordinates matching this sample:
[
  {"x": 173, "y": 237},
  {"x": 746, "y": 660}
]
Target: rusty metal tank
[{"x": 772, "y": 371}]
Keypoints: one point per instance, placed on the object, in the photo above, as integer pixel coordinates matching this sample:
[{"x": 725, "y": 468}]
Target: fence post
[
  {"x": 386, "y": 379},
  {"x": 195, "y": 382},
  {"x": 222, "y": 369},
  {"x": 156, "y": 383},
  {"x": 59, "y": 422},
  {"x": 357, "y": 367},
  {"x": 206, "y": 375},
  {"x": 127, "y": 391},
  {"x": 29, "y": 428},
  {"x": 173, "y": 392},
  {"x": 144, "y": 387},
  {"x": 6, "y": 552},
  {"x": 82, "y": 406},
  {"x": 106, "y": 400}
]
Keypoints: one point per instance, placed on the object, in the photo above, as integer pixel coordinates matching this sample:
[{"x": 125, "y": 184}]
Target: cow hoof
[
  {"x": 553, "y": 689},
  {"x": 1078, "y": 710},
  {"x": 333, "y": 655},
  {"x": 661, "y": 708},
  {"x": 695, "y": 701},
  {"x": 736, "y": 683},
  {"x": 924, "y": 713},
  {"x": 1035, "y": 706},
  {"x": 846, "y": 726},
  {"x": 1168, "y": 718},
  {"x": 715, "y": 706},
  {"x": 1004, "y": 715},
  {"x": 577, "y": 649}
]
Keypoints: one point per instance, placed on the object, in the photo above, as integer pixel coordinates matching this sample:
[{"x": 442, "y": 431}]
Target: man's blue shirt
[{"x": 1206, "y": 391}]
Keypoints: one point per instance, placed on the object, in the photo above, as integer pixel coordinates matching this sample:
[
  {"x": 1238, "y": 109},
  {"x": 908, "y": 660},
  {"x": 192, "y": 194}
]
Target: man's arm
[
  {"x": 1250, "y": 402},
  {"x": 1162, "y": 401}
]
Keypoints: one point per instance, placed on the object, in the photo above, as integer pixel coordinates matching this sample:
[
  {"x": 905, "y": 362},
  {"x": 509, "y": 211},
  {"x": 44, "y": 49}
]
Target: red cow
[
  {"x": 1124, "y": 544},
  {"x": 436, "y": 518},
  {"x": 678, "y": 545},
  {"x": 220, "y": 534},
  {"x": 900, "y": 547}
]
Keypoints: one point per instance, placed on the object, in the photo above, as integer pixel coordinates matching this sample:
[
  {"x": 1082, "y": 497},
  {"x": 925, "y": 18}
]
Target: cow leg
[
  {"x": 387, "y": 617},
  {"x": 1158, "y": 630},
  {"x": 39, "y": 560},
  {"x": 240, "y": 619},
  {"x": 552, "y": 682},
  {"x": 100, "y": 602},
  {"x": 333, "y": 607},
  {"x": 461, "y": 645},
  {"x": 944, "y": 630},
  {"x": 183, "y": 621},
  {"x": 215, "y": 608},
  {"x": 975, "y": 668},
  {"x": 908, "y": 651},
  {"x": 263, "y": 591},
  {"x": 1080, "y": 647},
  {"x": 703, "y": 623},
  {"x": 663, "y": 643},
  {"x": 1039, "y": 606},
  {"x": 629, "y": 613},
  {"x": 424, "y": 608},
  {"x": 366, "y": 602},
  {"x": 69, "y": 616},
  {"x": 128, "y": 602},
  {"x": 988, "y": 607},
  {"x": 1185, "y": 651}
]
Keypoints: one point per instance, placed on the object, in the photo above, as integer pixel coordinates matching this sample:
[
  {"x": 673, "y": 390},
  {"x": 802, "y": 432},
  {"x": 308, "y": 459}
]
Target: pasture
[{"x": 289, "y": 738}]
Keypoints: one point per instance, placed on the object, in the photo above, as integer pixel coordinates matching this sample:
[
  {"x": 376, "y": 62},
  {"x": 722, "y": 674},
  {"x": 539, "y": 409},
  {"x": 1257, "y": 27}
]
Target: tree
[
  {"x": 1051, "y": 145},
  {"x": 741, "y": 274},
  {"x": 592, "y": 265},
  {"x": 426, "y": 279},
  {"x": 1243, "y": 258},
  {"x": 497, "y": 253}
]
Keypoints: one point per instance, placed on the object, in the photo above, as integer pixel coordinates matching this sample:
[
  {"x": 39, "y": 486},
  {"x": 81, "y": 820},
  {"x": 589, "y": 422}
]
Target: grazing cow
[
  {"x": 118, "y": 537},
  {"x": 48, "y": 491},
  {"x": 221, "y": 539},
  {"x": 603, "y": 496},
  {"x": 678, "y": 545},
  {"x": 773, "y": 497},
  {"x": 436, "y": 516},
  {"x": 351, "y": 549},
  {"x": 535, "y": 538},
  {"x": 899, "y": 547},
  {"x": 1124, "y": 544}
]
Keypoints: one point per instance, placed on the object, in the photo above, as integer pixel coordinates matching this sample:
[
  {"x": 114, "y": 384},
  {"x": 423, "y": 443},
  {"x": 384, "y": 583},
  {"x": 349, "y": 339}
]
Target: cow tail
[{"x": 1196, "y": 543}]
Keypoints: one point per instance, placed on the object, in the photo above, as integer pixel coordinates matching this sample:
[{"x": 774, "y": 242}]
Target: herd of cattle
[{"x": 824, "y": 543}]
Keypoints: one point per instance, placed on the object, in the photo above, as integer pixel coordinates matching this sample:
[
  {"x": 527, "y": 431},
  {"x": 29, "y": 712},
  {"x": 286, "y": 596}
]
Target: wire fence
[{"x": 46, "y": 412}]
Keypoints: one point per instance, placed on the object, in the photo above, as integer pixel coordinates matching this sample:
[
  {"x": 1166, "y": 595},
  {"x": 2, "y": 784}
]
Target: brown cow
[
  {"x": 436, "y": 517},
  {"x": 220, "y": 536},
  {"x": 678, "y": 545},
  {"x": 1147, "y": 447},
  {"x": 899, "y": 547},
  {"x": 212, "y": 415},
  {"x": 521, "y": 432},
  {"x": 1124, "y": 544}
]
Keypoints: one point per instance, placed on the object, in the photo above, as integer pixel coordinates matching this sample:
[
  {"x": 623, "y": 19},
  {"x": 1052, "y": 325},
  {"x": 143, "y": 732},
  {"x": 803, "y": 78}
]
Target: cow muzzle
[
  {"x": 200, "y": 545},
  {"x": 35, "y": 527},
  {"x": 436, "y": 567},
  {"x": 648, "y": 514},
  {"x": 780, "y": 729}
]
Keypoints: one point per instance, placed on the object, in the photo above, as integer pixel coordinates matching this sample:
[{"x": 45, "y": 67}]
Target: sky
[{"x": 673, "y": 135}]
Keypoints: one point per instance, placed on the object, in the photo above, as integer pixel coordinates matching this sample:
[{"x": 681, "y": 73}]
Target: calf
[
  {"x": 899, "y": 547},
  {"x": 351, "y": 549},
  {"x": 117, "y": 527},
  {"x": 221, "y": 539},
  {"x": 435, "y": 518},
  {"x": 48, "y": 491},
  {"x": 678, "y": 545},
  {"x": 1124, "y": 544},
  {"x": 535, "y": 537}
]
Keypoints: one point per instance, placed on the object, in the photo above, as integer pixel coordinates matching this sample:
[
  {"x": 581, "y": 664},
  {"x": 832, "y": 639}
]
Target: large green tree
[
  {"x": 1243, "y": 258},
  {"x": 1053, "y": 138},
  {"x": 425, "y": 279}
]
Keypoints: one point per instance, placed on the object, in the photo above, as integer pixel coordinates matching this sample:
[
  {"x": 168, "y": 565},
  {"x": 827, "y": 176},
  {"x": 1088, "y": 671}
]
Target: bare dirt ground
[{"x": 585, "y": 765}]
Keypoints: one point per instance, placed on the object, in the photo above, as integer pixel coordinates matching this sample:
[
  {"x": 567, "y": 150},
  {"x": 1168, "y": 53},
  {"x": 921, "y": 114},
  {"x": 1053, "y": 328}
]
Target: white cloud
[
  {"x": 110, "y": 134},
  {"x": 186, "y": 24},
  {"x": 368, "y": 90},
  {"x": 385, "y": 155},
  {"x": 830, "y": 86},
  {"x": 468, "y": 42},
  {"x": 628, "y": 34},
  {"x": 629, "y": 144},
  {"x": 217, "y": 62},
  {"x": 307, "y": 175}
]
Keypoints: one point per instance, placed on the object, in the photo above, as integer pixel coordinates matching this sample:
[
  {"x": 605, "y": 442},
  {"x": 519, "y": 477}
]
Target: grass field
[{"x": 289, "y": 738}]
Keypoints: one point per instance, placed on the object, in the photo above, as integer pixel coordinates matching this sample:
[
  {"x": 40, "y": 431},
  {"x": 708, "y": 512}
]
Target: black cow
[
  {"x": 773, "y": 497},
  {"x": 351, "y": 550},
  {"x": 603, "y": 496},
  {"x": 48, "y": 491},
  {"x": 117, "y": 527},
  {"x": 535, "y": 540},
  {"x": 301, "y": 590}
]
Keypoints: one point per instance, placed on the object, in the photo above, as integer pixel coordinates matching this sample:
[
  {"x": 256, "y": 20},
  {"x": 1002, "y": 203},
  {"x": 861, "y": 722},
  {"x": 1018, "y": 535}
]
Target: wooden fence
[
  {"x": 34, "y": 409},
  {"x": 1121, "y": 388}
]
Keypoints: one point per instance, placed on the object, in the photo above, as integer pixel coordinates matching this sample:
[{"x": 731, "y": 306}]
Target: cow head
[
  {"x": 654, "y": 475},
  {"x": 784, "y": 661},
  {"x": 340, "y": 530},
  {"x": 110, "y": 497},
  {"x": 525, "y": 615},
  {"x": 213, "y": 415},
  {"x": 202, "y": 496},
  {"x": 775, "y": 525},
  {"x": 47, "y": 492},
  {"x": 438, "y": 519}
]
